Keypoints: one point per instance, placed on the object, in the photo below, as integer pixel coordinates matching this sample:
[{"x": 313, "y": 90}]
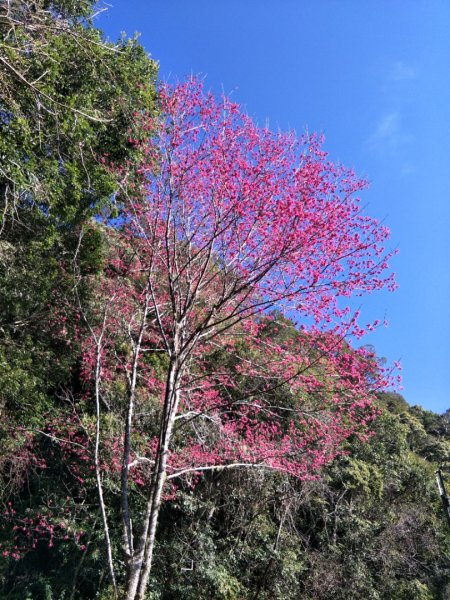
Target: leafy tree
[
  {"x": 67, "y": 105},
  {"x": 68, "y": 101}
]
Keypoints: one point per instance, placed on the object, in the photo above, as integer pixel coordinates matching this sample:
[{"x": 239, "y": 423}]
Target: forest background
[{"x": 367, "y": 525}]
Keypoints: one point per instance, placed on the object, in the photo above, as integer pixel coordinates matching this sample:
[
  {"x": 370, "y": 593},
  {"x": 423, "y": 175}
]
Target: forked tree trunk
[{"x": 140, "y": 565}]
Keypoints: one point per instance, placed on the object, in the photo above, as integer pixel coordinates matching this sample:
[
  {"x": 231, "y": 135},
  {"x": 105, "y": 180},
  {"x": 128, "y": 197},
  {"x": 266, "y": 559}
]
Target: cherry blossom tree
[{"x": 227, "y": 223}]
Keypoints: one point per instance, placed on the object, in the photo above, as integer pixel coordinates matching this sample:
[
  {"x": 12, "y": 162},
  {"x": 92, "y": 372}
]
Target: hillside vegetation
[{"x": 182, "y": 412}]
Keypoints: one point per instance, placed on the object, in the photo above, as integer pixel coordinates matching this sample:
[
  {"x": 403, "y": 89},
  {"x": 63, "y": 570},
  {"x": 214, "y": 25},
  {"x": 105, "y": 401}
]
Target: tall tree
[{"x": 233, "y": 222}]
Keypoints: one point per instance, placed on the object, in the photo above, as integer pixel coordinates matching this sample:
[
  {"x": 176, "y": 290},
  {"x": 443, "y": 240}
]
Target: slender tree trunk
[
  {"x": 156, "y": 506},
  {"x": 126, "y": 518},
  {"x": 98, "y": 475},
  {"x": 140, "y": 566}
]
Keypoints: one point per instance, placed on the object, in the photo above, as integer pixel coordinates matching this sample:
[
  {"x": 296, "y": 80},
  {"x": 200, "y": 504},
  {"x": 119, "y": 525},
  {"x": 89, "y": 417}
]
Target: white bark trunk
[
  {"x": 140, "y": 565},
  {"x": 98, "y": 469}
]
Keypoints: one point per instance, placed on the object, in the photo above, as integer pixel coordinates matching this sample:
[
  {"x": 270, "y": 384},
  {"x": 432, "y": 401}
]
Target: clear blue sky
[{"x": 374, "y": 77}]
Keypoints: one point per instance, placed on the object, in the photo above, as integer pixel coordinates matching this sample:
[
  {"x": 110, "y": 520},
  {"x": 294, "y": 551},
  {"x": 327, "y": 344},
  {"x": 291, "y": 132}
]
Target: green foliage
[
  {"x": 371, "y": 527},
  {"x": 67, "y": 100},
  {"x": 67, "y": 105}
]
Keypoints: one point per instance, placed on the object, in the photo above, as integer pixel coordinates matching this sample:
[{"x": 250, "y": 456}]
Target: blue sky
[{"x": 373, "y": 76}]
